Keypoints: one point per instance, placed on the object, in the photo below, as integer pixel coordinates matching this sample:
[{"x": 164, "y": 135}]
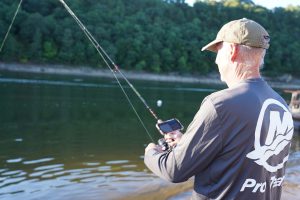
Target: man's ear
[{"x": 234, "y": 52}]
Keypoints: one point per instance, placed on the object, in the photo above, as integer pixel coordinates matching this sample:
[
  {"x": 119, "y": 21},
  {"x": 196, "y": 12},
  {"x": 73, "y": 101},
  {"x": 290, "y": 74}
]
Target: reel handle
[{"x": 163, "y": 144}]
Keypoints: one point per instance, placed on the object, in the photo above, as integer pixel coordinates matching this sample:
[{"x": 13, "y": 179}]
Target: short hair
[{"x": 252, "y": 55}]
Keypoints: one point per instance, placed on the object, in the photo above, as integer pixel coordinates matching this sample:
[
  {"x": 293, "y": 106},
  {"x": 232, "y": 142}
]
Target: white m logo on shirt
[{"x": 279, "y": 135}]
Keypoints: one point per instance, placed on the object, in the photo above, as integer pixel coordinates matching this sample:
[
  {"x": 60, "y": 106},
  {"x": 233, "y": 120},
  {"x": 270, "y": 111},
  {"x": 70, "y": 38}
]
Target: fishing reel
[
  {"x": 165, "y": 127},
  {"x": 163, "y": 144}
]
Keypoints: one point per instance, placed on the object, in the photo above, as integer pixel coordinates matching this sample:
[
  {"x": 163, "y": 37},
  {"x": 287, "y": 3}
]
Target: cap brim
[{"x": 212, "y": 46}]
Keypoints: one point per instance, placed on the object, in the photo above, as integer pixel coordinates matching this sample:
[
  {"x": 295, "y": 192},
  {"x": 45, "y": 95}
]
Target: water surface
[{"x": 66, "y": 137}]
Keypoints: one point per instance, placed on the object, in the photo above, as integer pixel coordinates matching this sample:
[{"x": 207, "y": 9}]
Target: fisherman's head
[{"x": 240, "y": 46}]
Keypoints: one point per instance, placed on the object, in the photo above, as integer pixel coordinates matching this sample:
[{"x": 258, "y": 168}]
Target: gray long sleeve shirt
[{"x": 236, "y": 146}]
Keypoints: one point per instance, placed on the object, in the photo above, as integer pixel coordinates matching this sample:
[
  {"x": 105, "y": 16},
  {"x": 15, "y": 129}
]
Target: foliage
[{"x": 149, "y": 35}]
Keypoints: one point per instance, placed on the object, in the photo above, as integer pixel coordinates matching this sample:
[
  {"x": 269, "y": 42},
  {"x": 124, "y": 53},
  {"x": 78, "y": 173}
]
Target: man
[{"x": 238, "y": 143}]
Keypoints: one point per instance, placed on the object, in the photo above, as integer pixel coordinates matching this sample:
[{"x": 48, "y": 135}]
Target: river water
[{"x": 64, "y": 137}]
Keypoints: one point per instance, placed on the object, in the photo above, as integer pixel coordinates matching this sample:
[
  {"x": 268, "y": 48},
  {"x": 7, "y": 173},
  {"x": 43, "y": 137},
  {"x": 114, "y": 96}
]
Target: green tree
[
  {"x": 151, "y": 35},
  {"x": 49, "y": 50}
]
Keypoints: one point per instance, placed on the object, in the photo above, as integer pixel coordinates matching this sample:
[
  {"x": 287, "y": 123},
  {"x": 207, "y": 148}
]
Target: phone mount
[
  {"x": 168, "y": 126},
  {"x": 165, "y": 127}
]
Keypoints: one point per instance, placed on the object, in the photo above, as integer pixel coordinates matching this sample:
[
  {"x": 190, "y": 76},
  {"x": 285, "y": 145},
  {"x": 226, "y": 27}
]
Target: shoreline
[
  {"x": 284, "y": 82},
  {"x": 106, "y": 73}
]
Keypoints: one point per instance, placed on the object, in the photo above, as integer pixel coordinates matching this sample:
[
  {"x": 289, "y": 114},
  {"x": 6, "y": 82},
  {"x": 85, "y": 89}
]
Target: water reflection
[{"x": 66, "y": 181}]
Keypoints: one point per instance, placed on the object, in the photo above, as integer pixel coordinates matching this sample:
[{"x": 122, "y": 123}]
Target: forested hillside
[{"x": 149, "y": 35}]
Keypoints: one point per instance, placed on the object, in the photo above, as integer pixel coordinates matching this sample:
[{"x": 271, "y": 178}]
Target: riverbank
[
  {"x": 93, "y": 72},
  {"x": 284, "y": 82}
]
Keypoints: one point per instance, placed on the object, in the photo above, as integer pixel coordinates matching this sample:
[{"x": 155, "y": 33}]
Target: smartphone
[{"x": 169, "y": 126}]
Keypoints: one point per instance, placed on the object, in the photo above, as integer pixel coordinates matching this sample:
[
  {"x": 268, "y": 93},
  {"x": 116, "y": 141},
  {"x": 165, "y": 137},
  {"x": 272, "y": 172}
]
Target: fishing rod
[
  {"x": 163, "y": 126},
  {"x": 114, "y": 68},
  {"x": 12, "y": 21}
]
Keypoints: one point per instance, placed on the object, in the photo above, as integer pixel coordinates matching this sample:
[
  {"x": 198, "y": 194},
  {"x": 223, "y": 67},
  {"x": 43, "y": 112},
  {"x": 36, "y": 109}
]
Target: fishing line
[
  {"x": 113, "y": 69},
  {"x": 12, "y": 21}
]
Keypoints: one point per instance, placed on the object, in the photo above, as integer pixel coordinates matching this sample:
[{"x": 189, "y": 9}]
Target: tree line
[{"x": 147, "y": 35}]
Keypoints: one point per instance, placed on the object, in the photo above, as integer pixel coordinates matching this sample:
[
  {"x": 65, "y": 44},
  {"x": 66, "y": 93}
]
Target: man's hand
[
  {"x": 173, "y": 138},
  {"x": 153, "y": 146}
]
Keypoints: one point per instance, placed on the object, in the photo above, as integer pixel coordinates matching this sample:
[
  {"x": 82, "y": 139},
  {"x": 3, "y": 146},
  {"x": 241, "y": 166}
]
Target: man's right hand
[{"x": 173, "y": 138}]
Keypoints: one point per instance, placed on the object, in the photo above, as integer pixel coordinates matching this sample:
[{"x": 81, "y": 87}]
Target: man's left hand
[{"x": 153, "y": 146}]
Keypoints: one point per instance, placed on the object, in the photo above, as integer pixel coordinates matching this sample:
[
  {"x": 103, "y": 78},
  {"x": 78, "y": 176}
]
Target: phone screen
[{"x": 170, "y": 125}]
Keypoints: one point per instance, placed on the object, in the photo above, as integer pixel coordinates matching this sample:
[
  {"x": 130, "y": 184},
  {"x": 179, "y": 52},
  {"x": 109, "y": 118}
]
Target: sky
[{"x": 267, "y": 3}]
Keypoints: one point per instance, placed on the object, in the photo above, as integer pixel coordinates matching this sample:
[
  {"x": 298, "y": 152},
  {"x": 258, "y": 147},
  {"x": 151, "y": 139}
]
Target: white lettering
[
  {"x": 257, "y": 186},
  {"x": 248, "y": 183},
  {"x": 272, "y": 181},
  {"x": 261, "y": 187},
  {"x": 278, "y": 182}
]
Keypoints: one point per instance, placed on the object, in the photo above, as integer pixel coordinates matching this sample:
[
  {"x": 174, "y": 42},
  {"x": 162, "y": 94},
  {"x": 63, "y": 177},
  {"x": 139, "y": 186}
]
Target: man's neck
[
  {"x": 239, "y": 79},
  {"x": 242, "y": 73}
]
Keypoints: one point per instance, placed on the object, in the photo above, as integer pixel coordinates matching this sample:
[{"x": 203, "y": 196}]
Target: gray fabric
[{"x": 233, "y": 147}]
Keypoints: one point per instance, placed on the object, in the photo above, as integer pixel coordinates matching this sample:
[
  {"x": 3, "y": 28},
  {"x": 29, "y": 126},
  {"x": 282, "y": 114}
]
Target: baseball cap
[{"x": 242, "y": 31}]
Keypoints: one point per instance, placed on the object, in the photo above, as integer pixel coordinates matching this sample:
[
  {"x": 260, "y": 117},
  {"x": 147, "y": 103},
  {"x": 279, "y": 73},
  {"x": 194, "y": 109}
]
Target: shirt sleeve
[{"x": 195, "y": 151}]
